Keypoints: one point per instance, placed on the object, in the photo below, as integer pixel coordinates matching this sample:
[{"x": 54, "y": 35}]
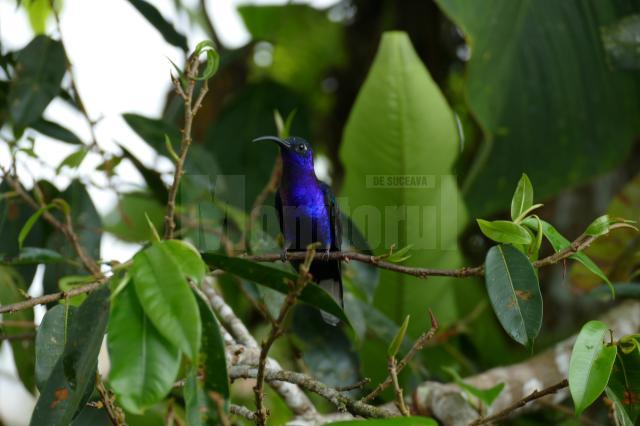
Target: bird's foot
[
  {"x": 325, "y": 254},
  {"x": 284, "y": 256}
]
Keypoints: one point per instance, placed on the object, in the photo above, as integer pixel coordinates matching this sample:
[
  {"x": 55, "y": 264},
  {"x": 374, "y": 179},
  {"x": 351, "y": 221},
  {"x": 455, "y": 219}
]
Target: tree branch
[{"x": 190, "y": 111}]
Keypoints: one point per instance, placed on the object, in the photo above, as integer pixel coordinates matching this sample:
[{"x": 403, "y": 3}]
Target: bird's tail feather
[{"x": 334, "y": 288}]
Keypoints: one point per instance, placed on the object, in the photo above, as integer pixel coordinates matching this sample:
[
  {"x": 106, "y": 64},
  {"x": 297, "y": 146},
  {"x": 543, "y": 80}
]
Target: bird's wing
[{"x": 334, "y": 215}]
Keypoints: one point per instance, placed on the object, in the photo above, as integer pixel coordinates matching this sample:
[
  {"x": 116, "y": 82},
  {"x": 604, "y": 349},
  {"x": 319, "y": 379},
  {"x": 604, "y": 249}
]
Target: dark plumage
[{"x": 308, "y": 213}]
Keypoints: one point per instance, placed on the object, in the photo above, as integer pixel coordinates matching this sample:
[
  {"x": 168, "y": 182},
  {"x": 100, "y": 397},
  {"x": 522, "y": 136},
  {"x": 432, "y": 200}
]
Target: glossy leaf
[
  {"x": 622, "y": 291},
  {"x": 12, "y": 290},
  {"x": 26, "y": 228},
  {"x": 503, "y": 231},
  {"x": 624, "y": 385},
  {"x": 40, "y": 67},
  {"x": 73, "y": 160},
  {"x": 590, "y": 364},
  {"x": 162, "y": 288},
  {"x": 401, "y": 120},
  {"x": 275, "y": 279},
  {"x": 144, "y": 364},
  {"x": 394, "y": 346},
  {"x": 34, "y": 256},
  {"x": 522, "y": 73},
  {"x": 212, "y": 354},
  {"x": 65, "y": 392},
  {"x": 522, "y": 198},
  {"x": 50, "y": 341},
  {"x": 55, "y": 131},
  {"x": 163, "y": 26},
  {"x": 514, "y": 292},
  {"x": 396, "y": 421}
]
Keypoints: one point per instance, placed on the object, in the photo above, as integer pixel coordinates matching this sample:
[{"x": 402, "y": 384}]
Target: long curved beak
[{"x": 282, "y": 142}]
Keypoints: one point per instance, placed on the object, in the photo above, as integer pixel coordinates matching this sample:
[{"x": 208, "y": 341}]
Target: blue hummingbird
[{"x": 308, "y": 213}]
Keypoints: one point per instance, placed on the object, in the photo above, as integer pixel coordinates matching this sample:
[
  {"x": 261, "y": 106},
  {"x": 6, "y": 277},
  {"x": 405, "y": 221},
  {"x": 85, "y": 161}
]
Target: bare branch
[
  {"x": 537, "y": 394},
  {"x": 295, "y": 288},
  {"x": 190, "y": 110},
  {"x": 393, "y": 375},
  {"x": 48, "y": 298}
]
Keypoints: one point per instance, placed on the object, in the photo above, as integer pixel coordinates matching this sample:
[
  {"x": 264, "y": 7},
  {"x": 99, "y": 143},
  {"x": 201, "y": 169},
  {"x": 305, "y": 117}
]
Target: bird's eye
[{"x": 301, "y": 148}]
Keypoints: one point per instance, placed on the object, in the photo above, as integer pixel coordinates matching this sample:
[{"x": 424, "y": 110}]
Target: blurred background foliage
[{"x": 471, "y": 93}]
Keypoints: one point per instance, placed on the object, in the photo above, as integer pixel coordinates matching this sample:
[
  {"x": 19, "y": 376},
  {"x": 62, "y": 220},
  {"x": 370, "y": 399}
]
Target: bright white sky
[{"x": 120, "y": 64}]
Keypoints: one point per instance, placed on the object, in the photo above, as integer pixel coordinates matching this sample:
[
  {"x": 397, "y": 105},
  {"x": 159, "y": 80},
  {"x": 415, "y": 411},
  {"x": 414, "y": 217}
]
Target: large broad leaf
[
  {"x": 617, "y": 254},
  {"x": 397, "y": 421},
  {"x": 160, "y": 274},
  {"x": 12, "y": 290},
  {"x": 144, "y": 364},
  {"x": 153, "y": 131},
  {"x": 275, "y": 279},
  {"x": 590, "y": 364},
  {"x": 51, "y": 340},
  {"x": 55, "y": 131},
  {"x": 514, "y": 292},
  {"x": 40, "y": 67},
  {"x": 522, "y": 88},
  {"x": 165, "y": 28},
  {"x": 398, "y": 150},
  {"x": 72, "y": 378}
]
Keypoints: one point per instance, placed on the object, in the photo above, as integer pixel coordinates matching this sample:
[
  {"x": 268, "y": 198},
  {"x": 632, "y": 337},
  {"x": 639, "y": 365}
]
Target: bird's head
[{"x": 296, "y": 152}]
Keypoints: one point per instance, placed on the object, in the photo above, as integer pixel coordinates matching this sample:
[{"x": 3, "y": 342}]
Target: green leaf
[
  {"x": 383, "y": 123},
  {"x": 624, "y": 385},
  {"x": 160, "y": 275},
  {"x": 621, "y": 43},
  {"x": 128, "y": 220},
  {"x": 144, "y": 364},
  {"x": 622, "y": 291},
  {"x": 65, "y": 392},
  {"x": 487, "y": 396},
  {"x": 34, "y": 256},
  {"x": 620, "y": 414},
  {"x": 275, "y": 279},
  {"x": 213, "y": 58},
  {"x": 13, "y": 290},
  {"x": 400, "y": 255},
  {"x": 514, "y": 292},
  {"x": 396, "y": 421},
  {"x": 394, "y": 346},
  {"x": 38, "y": 12},
  {"x": 602, "y": 225},
  {"x": 503, "y": 231},
  {"x": 73, "y": 160},
  {"x": 40, "y": 67},
  {"x": 522, "y": 198},
  {"x": 522, "y": 77},
  {"x": 212, "y": 354},
  {"x": 50, "y": 341},
  {"x": 590, "y": 365},
  {"x": 55, "y": 131},
  {"x": 559, "y": 243},
  {"x": 26, "y": 228},
  {"x": 163, "y": 26}
]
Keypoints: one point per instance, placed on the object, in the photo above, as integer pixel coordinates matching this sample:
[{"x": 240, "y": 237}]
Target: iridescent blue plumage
[{"x": 308, "y": 213}]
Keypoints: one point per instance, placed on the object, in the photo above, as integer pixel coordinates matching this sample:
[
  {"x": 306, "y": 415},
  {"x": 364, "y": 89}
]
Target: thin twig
[
  {"x": 362, "y": 383},
  {"x": 18, "y": 336},
  {"x": 393, "y": 375},
  {"x": 295, "y": 288},
  {"x": 417, "y": 347},
  {"x": 48, "y": 298},
  {"x": 115, "y": 414},
  {"x": 339, "y": 399},
  {"x": 241, "y": 411},
  {"x": 190, "y": 111},
  {"x": 521, "y": 403}
]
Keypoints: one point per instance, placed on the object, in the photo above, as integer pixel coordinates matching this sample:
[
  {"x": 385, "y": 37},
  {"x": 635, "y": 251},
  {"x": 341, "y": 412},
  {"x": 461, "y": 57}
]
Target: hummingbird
[{"x": 308, "y": 213}]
